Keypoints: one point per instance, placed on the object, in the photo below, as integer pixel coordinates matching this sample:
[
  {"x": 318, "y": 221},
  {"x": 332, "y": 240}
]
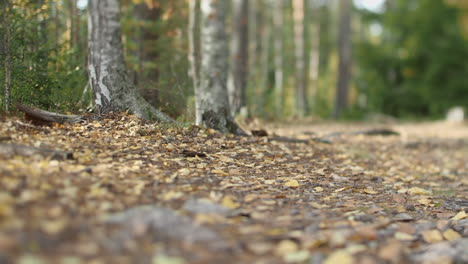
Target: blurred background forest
[{"x": 406, "y": 58}]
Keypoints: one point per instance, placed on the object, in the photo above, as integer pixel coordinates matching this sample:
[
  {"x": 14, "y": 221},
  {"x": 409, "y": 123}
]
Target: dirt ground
[{"x": 122, "y": 190}]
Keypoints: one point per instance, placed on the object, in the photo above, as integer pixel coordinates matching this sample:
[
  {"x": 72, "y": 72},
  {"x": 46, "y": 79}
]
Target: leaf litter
[{"x": 131, "y": 191}]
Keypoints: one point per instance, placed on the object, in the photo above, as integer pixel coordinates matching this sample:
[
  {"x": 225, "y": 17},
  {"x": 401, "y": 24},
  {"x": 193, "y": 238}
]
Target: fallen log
[
  {"x": 40, "y": 116},
  {"x": 10, "y": 150}
]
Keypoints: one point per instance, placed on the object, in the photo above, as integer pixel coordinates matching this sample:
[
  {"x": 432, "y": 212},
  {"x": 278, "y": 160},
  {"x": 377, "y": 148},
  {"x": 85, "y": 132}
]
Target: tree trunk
[
  {"x": 253, "y": 38},
  {"x": 299, "y": 40},
  {"x": 7, "y": 62},
  {"x": 108, "y": 76},
  {"x": 314, "y": 56},
  {"x": 264, "y": 58},
  {"x": 344, "y": 57},
  {"x": 239, "y": 58},
  {"x": 194, "y": 47},
  {"x": 213, "y": 111},
  {"x": 278, "y": 22}
]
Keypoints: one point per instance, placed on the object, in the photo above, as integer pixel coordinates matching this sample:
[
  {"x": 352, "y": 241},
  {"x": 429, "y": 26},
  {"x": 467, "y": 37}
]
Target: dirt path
[{"x": 137, "y": 193}]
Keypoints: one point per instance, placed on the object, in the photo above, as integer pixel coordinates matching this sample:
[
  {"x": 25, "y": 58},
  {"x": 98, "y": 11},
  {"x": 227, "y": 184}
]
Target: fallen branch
[
  {"x": 10, "y": 150},
  {"x": 45, "y": 117}
]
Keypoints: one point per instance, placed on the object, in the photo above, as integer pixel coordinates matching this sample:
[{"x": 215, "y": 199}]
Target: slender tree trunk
[
  {"x": 278, "y": 22},
  {"x": 194, "y": 47},
  {"x": 253, "y": 38},
  {"x": 239, "y": 58},
  {"x": 7, "y": 62},
  {"x": 344, "y": 57},
  {"x": 299, "y": 40},
  {"x": 43, "y": 41},
  {"x": 74, "y": 24},
  {"x": 264, "y": 58},
  {"x": 212, "y": 98},
  {"x": 113, "y": 90},
  {"x": 314, "y": 56}
]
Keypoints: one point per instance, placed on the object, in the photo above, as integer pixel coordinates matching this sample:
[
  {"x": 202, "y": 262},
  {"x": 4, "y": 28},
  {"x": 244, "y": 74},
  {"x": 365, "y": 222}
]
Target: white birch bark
[
  {"x": 213, "y": 111},
  {"x": 314, "y": 55},
  {"x": 113, "y": 90},
  {"x": 278, "y": 23},
  {"x": 194, "y": 47}
]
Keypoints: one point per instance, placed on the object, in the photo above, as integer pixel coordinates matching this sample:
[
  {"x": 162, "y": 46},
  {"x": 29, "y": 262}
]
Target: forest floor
[{"x": 121, "y": 190}]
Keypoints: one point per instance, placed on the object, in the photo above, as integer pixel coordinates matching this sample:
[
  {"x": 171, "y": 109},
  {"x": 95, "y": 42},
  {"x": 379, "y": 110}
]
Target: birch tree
[
  {"x": 314, "y": 54},
  {"x": 299, "y": 40},
  {"x": 108, "y": 76},
  {"x": 344, "y": 57},
  {"x": 278, "y": 21},
  {"x": 239, "y": 58},
  {"x": 194, "y": 47},
  {"x": 212, "y": 97}
]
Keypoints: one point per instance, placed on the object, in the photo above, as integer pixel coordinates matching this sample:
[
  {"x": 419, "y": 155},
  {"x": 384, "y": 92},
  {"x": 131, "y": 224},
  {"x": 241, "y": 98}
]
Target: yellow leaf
[
  {"x": 286, "y": 247},
  {"x": 228, "y": 201},
  {"x": 295, "y": 257},
  {"x": 370, "y": 191},
  {"x": 432, "y": 236},
  {"x": 269, "y": 182},
  {"x": 450, "y": 235},
  {"x": 292, "y": 184},
  {"x": 341, "y": 257},
  {"x": 172, "y": 195},
  {"x": 425, "y": 201},
  {"x": 318, "y": 189},
  {"x": 220, "y": 172},
  {"x": 404, "y": 236},
  {"x": 461, "y": 215},
  {"x": 419, "y": 191}
]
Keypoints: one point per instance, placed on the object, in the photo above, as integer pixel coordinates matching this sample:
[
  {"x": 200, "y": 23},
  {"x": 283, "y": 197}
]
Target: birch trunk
[
  {"x": 237, "y": 84},
  {"x": 344, "y": 57},
  {"x": 278, "y": 23},
  {"x": 194, "y": 47},
  {"x": 113, "y": 90},
  {"x": 314, "y": 55},
  {"x": 299, "y": 40},
  {"x": 213, "y": 102}
]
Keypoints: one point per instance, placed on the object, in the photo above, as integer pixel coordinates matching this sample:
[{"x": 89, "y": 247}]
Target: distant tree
[
  {"x": 278, "y": 21},
  {"x": 344, "y": 57},
  {"x": 113, "y": 89},
  {"x": 212, "y": 96},
  {"x": 299, "y": 40},
  {"x": 239, "y": 57},
  {"x": 314, "y": 54},
  {"x": 5, "y": 49}
]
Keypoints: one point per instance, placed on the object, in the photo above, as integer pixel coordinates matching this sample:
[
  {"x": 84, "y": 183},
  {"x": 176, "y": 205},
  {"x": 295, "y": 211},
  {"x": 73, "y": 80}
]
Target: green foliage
[
  {"x": 156, "y": 52},
  {"x": 45, "y": 71},
  {"x": 418, "y": 66}
]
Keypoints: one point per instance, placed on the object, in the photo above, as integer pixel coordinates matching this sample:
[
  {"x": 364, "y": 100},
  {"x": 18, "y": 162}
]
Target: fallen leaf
[
  {"x": 450, "y": 235},
  {"x": 419, "y": 191},
  {"x": 228, "y": 201},
  {"x": 292, "y": 184},
  {"x": 299, "y": 256},
  {"x": 432, "y": 236},
  {"x": 341, "y": 257},
  {"x": 286, "y": 247},
  {"x": 461, "y": 215}
]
